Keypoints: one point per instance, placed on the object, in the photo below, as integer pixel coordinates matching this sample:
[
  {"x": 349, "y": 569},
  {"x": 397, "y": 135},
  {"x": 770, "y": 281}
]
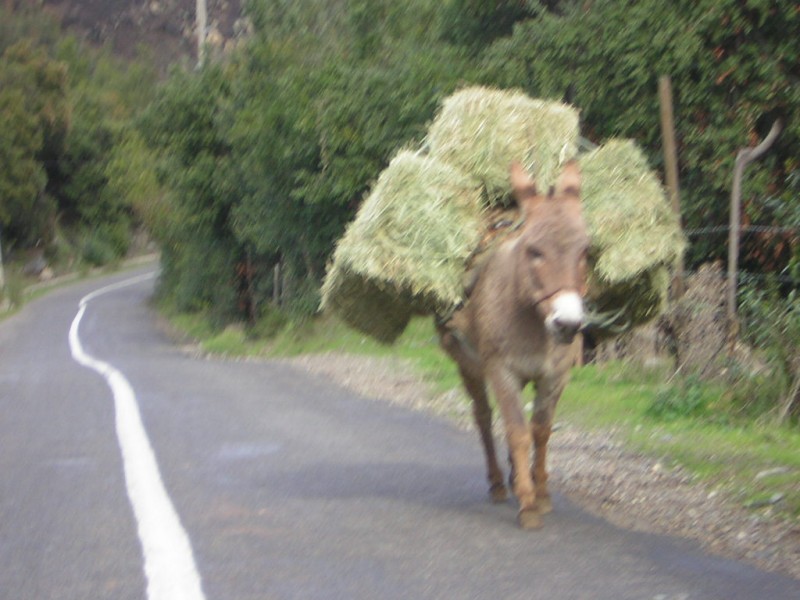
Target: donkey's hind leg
[{"x": 482, "y": 412}]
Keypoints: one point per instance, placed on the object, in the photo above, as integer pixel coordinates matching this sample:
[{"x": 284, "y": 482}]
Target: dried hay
[
  {"x": 481, "y": 131},
  {"x": 632, "y": 225},
  {"x": 369, "y": 305},
  {"x": 635, "y": 235},
  {"x": 617, "y": 308},
  {"x": 407, "y": 248}
]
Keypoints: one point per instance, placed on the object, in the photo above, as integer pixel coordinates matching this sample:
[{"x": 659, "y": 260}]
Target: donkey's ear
[
  {"x": 521, "y": 183},
  {"x": 569, "y": 182}
]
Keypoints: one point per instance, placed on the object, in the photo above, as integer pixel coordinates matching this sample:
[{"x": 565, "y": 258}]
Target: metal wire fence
[
  {"x": 751, "y": 277},
  {"x": 767, "y": 322}
]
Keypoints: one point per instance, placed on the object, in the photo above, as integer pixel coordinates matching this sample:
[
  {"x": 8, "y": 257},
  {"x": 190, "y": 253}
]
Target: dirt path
[{"x": 594, "y": 470}]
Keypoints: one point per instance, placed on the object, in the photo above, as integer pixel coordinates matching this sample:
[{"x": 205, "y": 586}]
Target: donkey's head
[{"x": 551, "y": 251}]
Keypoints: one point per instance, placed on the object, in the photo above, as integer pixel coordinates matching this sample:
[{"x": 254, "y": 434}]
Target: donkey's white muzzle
[{"x": 566, "y": 316}]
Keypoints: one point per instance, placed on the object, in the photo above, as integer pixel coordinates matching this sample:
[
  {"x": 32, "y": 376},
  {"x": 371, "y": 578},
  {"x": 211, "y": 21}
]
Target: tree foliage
[
  {"x": 34, "y": 118},
  {"x": 63, "y": 110},
  {"x": 186, "y": 128},
  {"x": 734, "y": 70},
  {"x": 298, "y": 124},
  {"x": 262, "y": 158}
]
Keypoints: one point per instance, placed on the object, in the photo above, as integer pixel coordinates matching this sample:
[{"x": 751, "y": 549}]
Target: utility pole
[{"x": 202, "y": 25}]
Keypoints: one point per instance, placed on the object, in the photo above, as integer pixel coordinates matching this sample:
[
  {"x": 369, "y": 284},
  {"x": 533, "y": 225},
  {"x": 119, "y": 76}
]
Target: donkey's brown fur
[{"x": 518, "y": 326}]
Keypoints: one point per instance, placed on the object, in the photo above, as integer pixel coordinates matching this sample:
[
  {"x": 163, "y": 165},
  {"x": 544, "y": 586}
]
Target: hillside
[{"x": 164, "y": 27}]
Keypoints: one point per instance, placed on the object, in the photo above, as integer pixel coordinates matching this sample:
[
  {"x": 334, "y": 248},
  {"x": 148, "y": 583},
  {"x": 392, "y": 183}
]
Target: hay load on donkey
[
  {"x": 433, "y": 214},
  {"x": 405, "y": 252},
  {"x": 636, "y": 238},
  {"x": 481, "y": 131}
]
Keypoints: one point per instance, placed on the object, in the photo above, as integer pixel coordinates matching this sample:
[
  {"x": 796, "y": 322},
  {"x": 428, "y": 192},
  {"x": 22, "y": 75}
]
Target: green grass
[
  {"x": 680, "y": 422},
  {"x": 723, "y": 453},
  {"x": 418, "y": 344}
]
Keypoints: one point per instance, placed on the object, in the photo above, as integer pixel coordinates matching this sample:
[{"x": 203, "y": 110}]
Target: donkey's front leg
[
  {"x": 507, "y": 389},
  {"x": 548, "y": 392}
]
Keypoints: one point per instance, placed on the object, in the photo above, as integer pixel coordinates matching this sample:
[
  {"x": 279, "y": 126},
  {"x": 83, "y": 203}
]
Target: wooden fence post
[
  {"x": 671, "y": 168},
  {"x": 743, "y": 158},
  {"x": 276, "y": 284},
  {"x": 2, "y": 269}
]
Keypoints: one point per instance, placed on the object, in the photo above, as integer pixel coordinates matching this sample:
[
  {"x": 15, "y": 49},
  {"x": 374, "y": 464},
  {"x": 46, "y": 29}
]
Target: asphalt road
[{"x": 285, "y": 485}]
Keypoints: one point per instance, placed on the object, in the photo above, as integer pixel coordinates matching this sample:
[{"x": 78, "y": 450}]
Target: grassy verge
[{"x": 756, "y": 463}]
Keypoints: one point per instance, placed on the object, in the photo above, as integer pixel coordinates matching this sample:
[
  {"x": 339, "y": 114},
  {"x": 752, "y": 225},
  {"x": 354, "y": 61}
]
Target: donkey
[{"x": 518, "y": 326}]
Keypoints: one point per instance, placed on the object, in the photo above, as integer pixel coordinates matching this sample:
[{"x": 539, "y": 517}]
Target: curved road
[{"x": 284, "y": 485}]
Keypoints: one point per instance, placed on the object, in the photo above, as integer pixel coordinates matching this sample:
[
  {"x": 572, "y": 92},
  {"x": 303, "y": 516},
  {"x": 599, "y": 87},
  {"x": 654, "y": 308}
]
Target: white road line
[{"x": 169, "y": 564}]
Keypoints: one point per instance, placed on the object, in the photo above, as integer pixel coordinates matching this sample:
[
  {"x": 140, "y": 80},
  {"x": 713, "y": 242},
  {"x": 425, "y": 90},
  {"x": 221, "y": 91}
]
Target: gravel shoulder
[{"x": 594, "y": 470}]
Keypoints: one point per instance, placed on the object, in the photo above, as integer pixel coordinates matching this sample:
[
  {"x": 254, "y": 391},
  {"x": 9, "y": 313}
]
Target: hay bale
[
  {"x": 481, "y": 131},
  {"x": 617, "y": 308},
  {"x": 369, "y": 305},
  {"x": 636, "y": 238},
  {"x": 631, "y": 223},
  {"x": 405, "y": 252}
]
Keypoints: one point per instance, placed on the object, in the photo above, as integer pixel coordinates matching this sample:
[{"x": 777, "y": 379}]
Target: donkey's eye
[
  {"x": 590, "y": 257},
  {"x": 534, "y": 253}
]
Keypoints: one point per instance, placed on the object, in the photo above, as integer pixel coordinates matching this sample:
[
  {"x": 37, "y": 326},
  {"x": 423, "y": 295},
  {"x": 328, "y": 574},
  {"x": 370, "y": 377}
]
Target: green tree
[
  {"x": 35, "y": 121},
  {"x": 474, "y": 24},
  {"x": 132, "y": 179},
  {"x": 22, "y": 178},
  {"x": 64, "y": 108},
  {"x": 185, "y": 127},
  {"x": 312, "y": 131}
]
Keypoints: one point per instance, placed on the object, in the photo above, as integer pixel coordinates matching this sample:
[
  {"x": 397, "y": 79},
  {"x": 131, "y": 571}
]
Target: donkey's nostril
[
  {"x": 567, "y": 327},
  {"x": 565, "y": 331},
  {"x": 566, "y": 318}
]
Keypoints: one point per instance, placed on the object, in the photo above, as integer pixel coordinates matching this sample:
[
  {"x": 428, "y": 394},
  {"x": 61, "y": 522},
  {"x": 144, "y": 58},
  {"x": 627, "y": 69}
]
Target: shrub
[
  {"x": 269, "y": 324},
  {"x": 687, "y": 398},
  {"x": 771, "y": 325},
  {"x": 105, "y": 244}
]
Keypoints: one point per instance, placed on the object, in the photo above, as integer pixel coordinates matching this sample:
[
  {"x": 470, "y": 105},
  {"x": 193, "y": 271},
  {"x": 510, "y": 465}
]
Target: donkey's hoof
[
  {"x": 498, "y": 493},
  {"x": 529, "y": 519},
  {"x": 544, "y": 505}
]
